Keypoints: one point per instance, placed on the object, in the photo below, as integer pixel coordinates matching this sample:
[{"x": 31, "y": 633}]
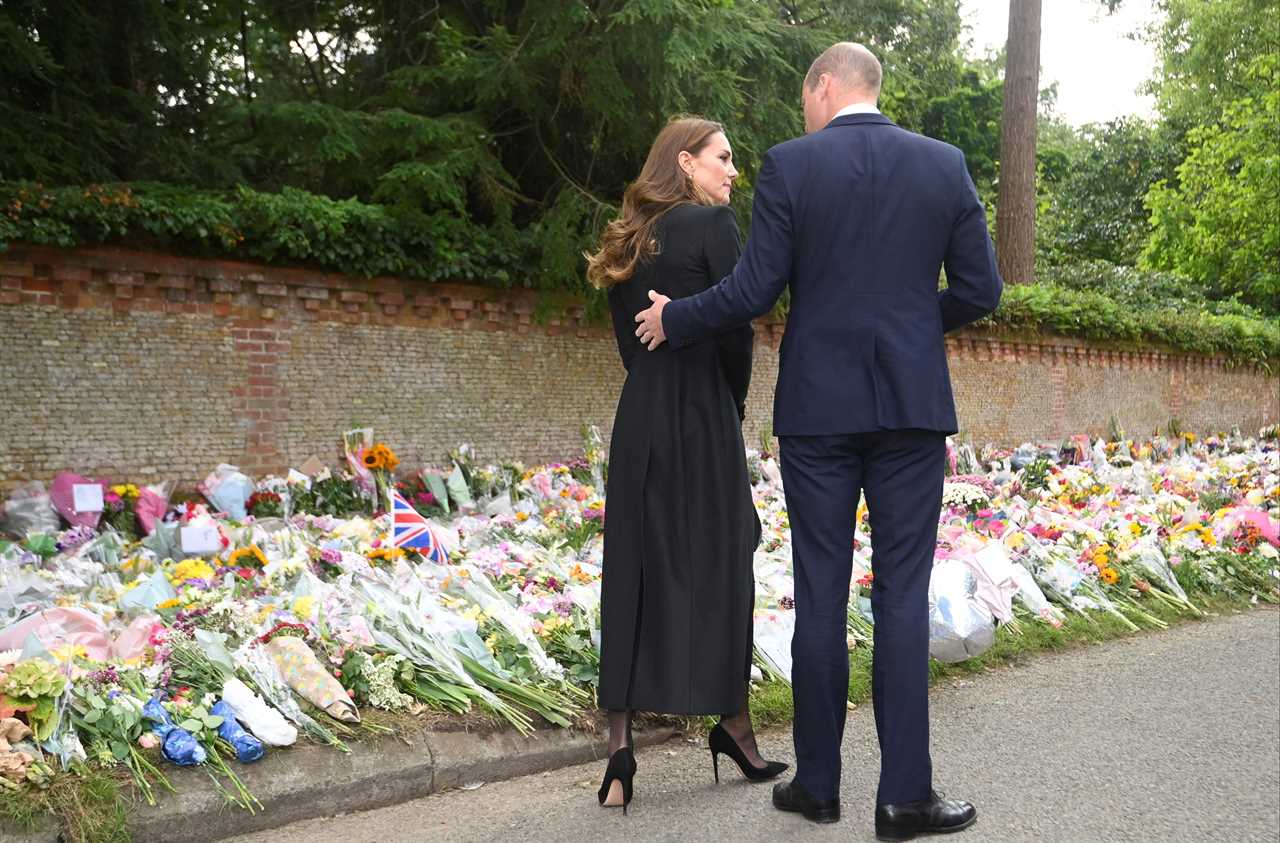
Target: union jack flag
[{"x": 409, "y": 529}]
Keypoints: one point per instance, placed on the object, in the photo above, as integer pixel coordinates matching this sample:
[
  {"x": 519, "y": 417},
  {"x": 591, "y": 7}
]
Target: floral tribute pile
[{"x": 212, "y": 630}]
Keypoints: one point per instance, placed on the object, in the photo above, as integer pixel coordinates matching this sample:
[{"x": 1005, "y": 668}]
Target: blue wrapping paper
[
  {"x": 248, "y": 748},
  {"x": 182, "y": 748},
  {"x": 178, "y": 745}
]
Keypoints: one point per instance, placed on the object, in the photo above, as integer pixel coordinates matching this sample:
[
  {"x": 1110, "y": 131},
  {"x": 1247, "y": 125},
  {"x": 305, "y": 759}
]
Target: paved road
[{"x": 1168, "y": 736}]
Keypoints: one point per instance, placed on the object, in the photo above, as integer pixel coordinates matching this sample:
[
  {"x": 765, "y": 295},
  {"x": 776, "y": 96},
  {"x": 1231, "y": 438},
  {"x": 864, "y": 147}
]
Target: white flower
[
  {"x": 962, "y": 494},
  {"x": 9, "y": 657}
]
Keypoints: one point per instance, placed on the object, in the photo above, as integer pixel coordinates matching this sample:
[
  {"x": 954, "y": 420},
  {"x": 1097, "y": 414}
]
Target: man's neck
[{"x": 857, "y": 105}]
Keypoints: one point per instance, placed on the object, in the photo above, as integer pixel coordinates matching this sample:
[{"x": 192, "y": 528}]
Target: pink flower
[{"x": 148, "y": 740}]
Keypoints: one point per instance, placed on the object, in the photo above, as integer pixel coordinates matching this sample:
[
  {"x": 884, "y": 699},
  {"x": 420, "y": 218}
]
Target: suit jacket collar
[{"x": 858, "y": 119}]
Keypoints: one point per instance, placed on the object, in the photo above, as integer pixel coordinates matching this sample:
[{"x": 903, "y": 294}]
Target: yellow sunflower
[
  {"x": 386, "y": 457},
  {"x": 248, "y": 557}
]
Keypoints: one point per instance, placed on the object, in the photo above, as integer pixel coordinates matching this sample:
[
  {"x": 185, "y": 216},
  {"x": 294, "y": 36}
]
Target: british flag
[{"x": 409, "y": 529}]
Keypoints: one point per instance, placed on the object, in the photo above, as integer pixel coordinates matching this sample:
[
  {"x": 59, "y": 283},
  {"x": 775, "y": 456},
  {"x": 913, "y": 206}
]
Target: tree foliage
[
  {"x": 1221, "y": 221},
  {"x": 1093, "y": 183},
  {"x": 490, "y": 121},
  {"x": 1206, "y": 49}
]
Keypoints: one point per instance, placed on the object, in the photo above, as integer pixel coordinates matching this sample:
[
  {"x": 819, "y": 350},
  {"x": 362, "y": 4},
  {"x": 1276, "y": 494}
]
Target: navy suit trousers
[{"x": 900, "y": 472}]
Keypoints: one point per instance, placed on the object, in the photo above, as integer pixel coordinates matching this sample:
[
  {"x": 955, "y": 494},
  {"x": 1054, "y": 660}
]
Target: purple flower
[{"x": 106, "y": 676}]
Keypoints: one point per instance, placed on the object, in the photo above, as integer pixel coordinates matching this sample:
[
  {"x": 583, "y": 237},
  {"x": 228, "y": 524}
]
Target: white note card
[
  {"x": 197, "y": 541},
  {"x": 86, "y": 497}
]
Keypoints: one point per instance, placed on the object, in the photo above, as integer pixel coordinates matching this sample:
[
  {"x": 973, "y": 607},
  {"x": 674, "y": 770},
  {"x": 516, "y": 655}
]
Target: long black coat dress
[{"x": 680, "y": 529}]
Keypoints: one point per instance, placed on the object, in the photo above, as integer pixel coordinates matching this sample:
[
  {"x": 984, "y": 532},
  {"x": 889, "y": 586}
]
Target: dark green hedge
[{"x": 1095, "y": 301}]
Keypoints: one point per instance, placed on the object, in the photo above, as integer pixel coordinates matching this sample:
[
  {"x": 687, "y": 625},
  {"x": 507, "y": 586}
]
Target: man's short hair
[{"x": 851, "y": 65}]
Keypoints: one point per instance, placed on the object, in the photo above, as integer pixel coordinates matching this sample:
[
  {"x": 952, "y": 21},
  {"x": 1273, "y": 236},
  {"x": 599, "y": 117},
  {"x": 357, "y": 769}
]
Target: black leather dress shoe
[
  {"x": 793, "y": 797},
  {"x": 935, "y": 815}
]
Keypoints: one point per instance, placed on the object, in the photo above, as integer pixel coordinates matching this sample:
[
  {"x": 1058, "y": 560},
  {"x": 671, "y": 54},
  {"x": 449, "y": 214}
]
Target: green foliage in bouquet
[
  {"x": 333, "y": 495},
  {"x": 265, "y": 505},
  {"x": 33, "y": 687},
  {"x": 41, "y": 544},
  {"x": 1035, "y": 475},
  {"x": 113, "y": 723},
  {"x": 570, "y": 645},
  {"x": 377, "y": 679}
]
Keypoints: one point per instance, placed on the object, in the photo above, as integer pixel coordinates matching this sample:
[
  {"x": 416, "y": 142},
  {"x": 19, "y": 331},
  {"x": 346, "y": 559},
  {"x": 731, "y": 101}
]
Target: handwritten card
[
  {"x": 200, "y": 540},
  {"x": 86, "y": 497}
]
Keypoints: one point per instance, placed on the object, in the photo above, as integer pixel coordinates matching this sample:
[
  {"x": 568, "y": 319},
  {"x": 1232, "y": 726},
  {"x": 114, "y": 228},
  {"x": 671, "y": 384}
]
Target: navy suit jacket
[{"x": 858, "y": 219}]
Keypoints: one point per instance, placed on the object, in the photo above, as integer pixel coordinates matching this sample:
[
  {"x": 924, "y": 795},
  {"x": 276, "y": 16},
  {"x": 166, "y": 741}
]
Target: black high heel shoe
[
  {"x": 622, "y": 769},
  {"x": 721, "y": 741}
]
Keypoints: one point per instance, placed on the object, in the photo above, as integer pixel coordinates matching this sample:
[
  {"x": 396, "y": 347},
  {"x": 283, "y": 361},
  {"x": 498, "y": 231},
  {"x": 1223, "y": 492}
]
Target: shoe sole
[
  {"x": 821, "y": 817},
  {"x": 911, "y": 835}
]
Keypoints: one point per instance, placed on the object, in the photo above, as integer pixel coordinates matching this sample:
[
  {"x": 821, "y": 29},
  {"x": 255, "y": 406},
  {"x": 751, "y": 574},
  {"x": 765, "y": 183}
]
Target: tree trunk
[{"x": 1016, "y": 201}]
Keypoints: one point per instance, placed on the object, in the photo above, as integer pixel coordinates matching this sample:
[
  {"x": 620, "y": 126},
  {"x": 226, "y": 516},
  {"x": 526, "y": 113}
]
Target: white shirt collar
[{"x": 857, "y": 108}]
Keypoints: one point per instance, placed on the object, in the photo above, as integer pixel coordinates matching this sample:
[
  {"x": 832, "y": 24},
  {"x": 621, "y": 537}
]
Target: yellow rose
[{"x": 304, "y": 607}]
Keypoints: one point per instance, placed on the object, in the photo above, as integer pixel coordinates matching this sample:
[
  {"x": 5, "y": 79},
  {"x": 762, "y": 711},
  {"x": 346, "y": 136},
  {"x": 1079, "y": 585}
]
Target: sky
[{"x": 1097, "y": 67}]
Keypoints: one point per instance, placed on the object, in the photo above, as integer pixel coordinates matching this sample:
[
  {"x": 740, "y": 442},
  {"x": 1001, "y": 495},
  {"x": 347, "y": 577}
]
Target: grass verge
[
  {"x": 89, "y": 807},
  {"x": 771, "y": 700}
]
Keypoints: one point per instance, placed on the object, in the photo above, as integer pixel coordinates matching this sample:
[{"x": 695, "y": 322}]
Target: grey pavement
[{"x": 1163, "y": 736}]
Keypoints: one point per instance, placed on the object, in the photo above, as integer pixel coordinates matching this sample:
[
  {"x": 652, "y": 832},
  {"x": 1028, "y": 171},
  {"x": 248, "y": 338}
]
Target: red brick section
[
  {"x": 262, "y": 401},
  {"x": 1008, "y": 388}
]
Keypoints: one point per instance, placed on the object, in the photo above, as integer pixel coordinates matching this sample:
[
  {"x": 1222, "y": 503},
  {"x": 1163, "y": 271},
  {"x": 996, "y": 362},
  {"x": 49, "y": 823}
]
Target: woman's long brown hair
[{"x": 662, "y": 185}]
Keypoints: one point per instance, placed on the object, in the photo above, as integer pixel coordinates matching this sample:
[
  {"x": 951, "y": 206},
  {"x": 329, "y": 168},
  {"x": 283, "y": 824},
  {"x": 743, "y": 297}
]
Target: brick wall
[{"x": 146, "y": 366}]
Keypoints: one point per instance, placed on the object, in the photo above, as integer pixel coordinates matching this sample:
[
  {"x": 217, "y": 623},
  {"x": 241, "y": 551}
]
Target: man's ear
[{"x": 824, "y": 85}]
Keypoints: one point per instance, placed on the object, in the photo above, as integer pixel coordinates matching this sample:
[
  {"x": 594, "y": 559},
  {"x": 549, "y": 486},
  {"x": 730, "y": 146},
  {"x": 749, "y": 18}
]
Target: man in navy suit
[{"x": 858, "y": 217}]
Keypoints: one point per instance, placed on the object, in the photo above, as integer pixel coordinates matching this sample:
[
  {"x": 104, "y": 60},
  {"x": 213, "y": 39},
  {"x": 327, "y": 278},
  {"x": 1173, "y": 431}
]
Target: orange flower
[
  {"x": 385, "y": 554},
  {"x": 1109, "y": 576},
  {"x": 380, "y": 456}
]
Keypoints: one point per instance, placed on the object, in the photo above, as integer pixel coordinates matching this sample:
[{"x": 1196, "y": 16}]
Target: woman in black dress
[{"x": 678, "y": 591}]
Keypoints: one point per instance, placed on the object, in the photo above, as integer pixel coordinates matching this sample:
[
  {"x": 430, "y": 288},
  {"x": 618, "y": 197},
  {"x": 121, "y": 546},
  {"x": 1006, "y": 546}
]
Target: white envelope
[
  {"x": 198, "y": 541},
  {"x": 86, "y": 497}
]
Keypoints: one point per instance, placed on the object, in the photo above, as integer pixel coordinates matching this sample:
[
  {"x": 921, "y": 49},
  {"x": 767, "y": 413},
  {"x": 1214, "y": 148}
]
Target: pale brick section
[{"x": 145, "y": 366}]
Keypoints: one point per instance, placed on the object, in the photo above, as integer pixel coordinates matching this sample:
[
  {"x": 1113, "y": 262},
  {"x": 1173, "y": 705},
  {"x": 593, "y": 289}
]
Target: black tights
[{"x": 738, "y": 725}]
